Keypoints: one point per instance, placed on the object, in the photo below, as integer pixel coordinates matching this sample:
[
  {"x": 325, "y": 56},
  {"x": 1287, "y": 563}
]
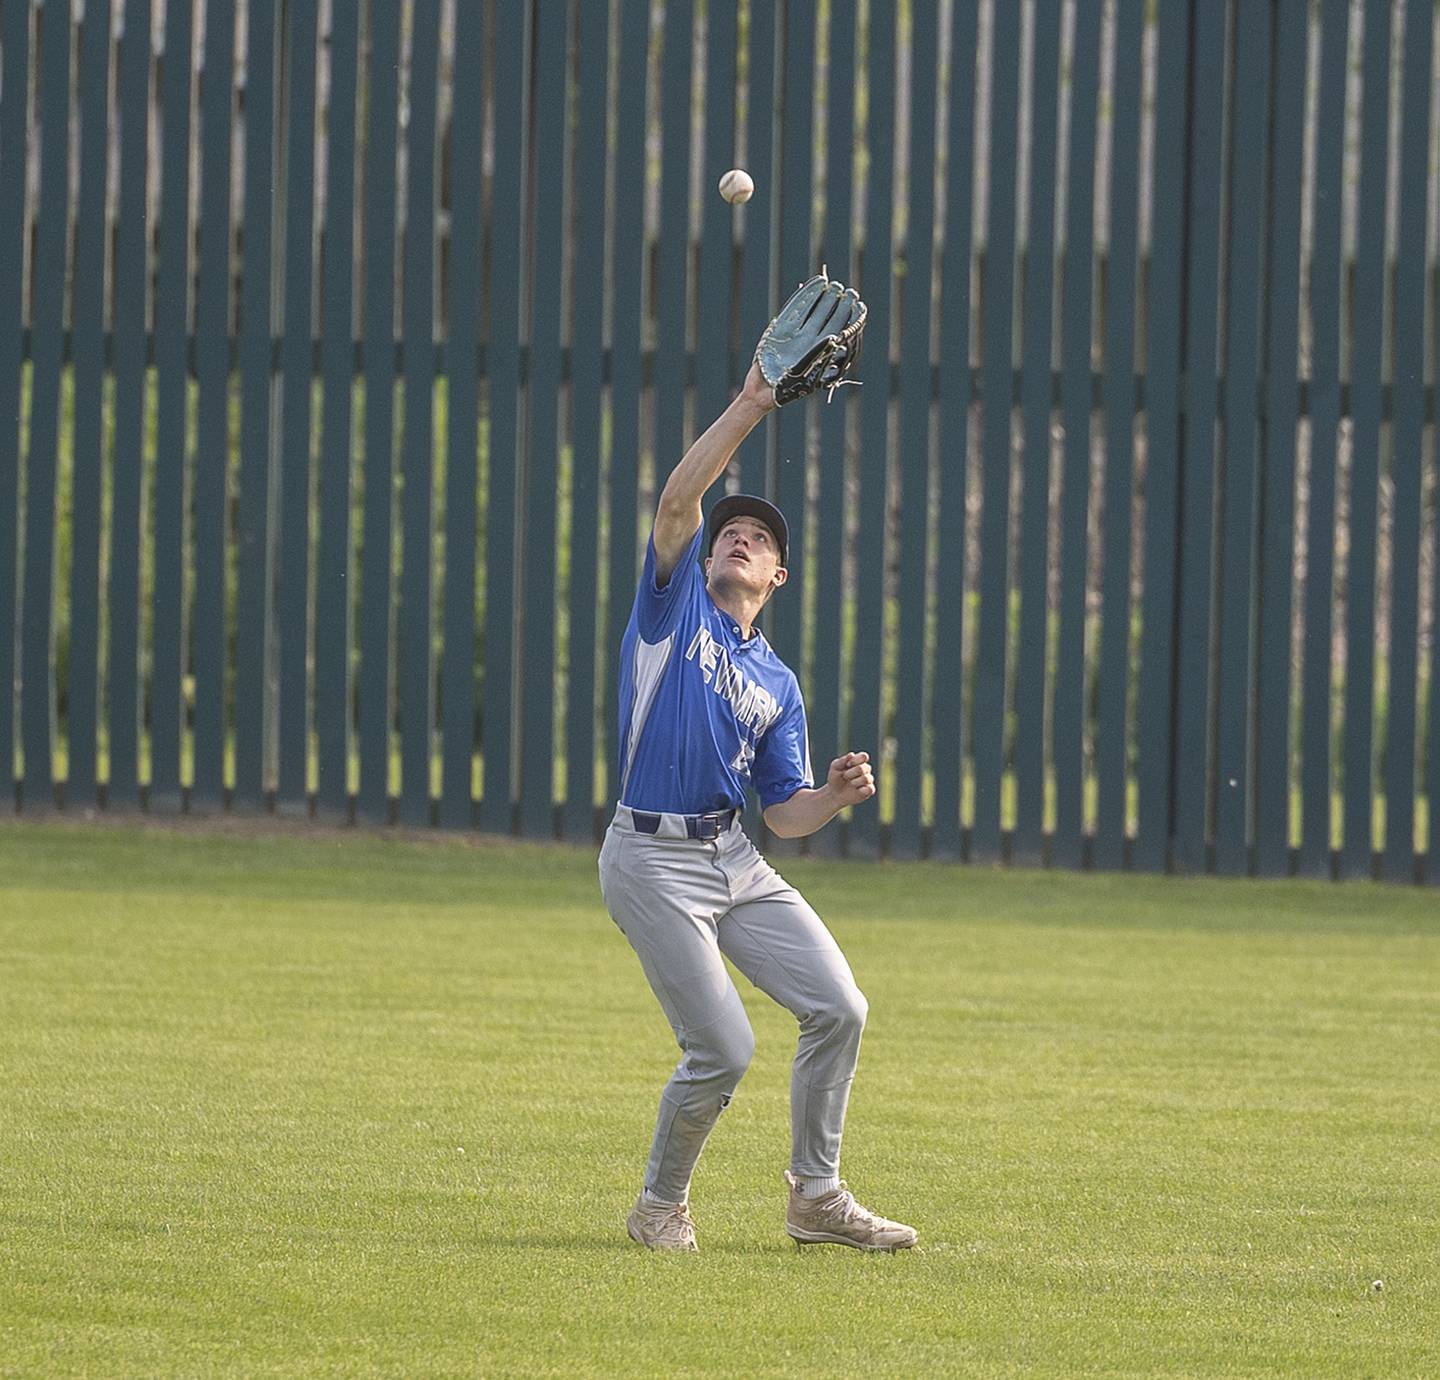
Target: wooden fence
[{"x": 344, "y": 343}]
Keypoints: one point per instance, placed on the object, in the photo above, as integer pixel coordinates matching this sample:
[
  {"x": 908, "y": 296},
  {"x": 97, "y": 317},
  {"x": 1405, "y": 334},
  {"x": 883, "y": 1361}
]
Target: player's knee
[
  {"x": 734, "y": 1052},
  {"x": 724, "y": 1056},
  {"x": 844, "y": 1012}
]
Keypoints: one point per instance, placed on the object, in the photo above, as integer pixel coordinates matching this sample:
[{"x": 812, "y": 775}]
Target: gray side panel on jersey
[{"x": 651, "y": 658}]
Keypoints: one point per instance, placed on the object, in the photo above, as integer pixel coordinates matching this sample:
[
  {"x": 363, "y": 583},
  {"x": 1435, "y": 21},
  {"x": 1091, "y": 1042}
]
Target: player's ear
[{"x": 781, "y": 575}]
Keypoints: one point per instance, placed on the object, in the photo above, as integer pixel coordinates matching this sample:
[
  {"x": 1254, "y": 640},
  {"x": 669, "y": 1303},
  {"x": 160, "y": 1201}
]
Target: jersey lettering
[{"x": 754, "y": 706}]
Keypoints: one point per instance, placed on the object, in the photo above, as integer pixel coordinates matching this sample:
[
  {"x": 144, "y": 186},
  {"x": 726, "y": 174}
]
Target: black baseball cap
[{"x": 748, "y": 505}]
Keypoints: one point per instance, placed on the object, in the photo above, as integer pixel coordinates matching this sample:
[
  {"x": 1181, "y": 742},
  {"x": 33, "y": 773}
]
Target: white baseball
[{"x": 737, "y": 185}]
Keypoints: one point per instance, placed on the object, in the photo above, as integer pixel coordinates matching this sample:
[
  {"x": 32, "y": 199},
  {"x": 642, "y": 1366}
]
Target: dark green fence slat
[
  {"x": 1429, "y": 728},
  {"x": 914, "y": 468},
  {"x": 257, "y": 401},
  {"x": 373, "y": 688},
  {"x": 1431, "y": 866},
  {"x": 457, "y": 665},
  {"x": 794, "y": 184},
  {"x": 212, "y": 453},
  {"x": 757, "y": 300},
  {"x": 131, "y": 275},
  {"x": 172, "y": 378},
  {"x": 297, "y": 356},
  {"x": 547, "y": 237},
  {"x": 1155, "y": 700},
  {"x": 503, "y": 363},
  {"x": 586, "y": 421},
  {"x": 951, "y": 616},
  {"x": 1192, "y": 725},
  {"x": 1111, "y": 720},
  {"x": 15, "y": 54},
  {"x": 37, "y": 636},
  {"x": 1407, "y": 450},
  {"x": 1070, "y": 670},
  {"x": 717, "y": 374},
  {"x": 1276, "y": 545},
  {"x": 1316, "y": 744},
  {"x": 875, "y": 282},
  {"x": 1320, "y": 755},
  {"x": 333, "y": 558},
  {"x": 672, "y": 249},
  {"x": 997, "y": 353},
  {"x": 1235, "y": 595},
  {"x": 1036, "y": 394},
  {"x": 823, "y": 701},
  {"x": 88, "y": 291},
  {"x": 1367, "y": 356},
  {"x": 415, "y": 674}
]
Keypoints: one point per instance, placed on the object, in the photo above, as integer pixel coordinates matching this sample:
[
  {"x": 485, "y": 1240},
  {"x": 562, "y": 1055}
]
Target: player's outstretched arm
[
  {"x": 849, "y": 781},
  {"x": 678, "y": 513}
]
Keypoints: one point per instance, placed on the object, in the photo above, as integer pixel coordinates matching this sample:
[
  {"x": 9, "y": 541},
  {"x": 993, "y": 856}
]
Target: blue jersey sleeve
[
  {"x": 782, "y": 756},
  {"x": 658, "y": 606}
]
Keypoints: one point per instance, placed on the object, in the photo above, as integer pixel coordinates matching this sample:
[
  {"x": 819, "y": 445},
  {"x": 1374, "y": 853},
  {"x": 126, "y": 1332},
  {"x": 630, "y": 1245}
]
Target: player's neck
[{"x": 740, "y": 605}]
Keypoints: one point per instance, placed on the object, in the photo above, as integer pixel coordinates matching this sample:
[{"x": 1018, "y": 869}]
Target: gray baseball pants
[{"x": 683, "y": 903}]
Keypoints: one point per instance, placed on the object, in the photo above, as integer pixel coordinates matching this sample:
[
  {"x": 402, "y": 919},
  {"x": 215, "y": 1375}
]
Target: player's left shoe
[
  {"x": 662, "y": 1226},
  {"x": 838, "y": 1219}
]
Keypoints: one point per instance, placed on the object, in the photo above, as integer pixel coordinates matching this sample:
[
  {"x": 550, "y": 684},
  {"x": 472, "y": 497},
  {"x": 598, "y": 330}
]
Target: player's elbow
[
  {"x": 675, "y": 524},
  {"x": 784, "y": 821},
  {"x": 776, "y": 823},
  {"x": 678, "y": 506}
]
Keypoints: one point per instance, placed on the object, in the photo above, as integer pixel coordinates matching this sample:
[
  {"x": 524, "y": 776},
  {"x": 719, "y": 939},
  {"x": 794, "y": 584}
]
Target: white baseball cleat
[
  {"x": 837, "y": 1218},
  {"x": 662, "y": 1226}
]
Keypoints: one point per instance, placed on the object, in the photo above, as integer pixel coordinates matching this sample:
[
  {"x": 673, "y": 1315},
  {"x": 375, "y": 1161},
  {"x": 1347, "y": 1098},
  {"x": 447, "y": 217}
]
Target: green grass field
[{"x": 340, "y": 1104}]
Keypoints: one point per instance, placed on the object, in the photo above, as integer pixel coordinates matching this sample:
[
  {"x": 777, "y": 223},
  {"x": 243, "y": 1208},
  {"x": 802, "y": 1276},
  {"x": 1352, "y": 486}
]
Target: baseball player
[{"x": 707, "y": 712}]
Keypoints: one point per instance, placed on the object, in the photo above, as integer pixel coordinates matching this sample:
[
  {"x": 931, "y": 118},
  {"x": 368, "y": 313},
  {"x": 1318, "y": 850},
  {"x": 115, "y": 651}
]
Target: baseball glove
[{"x": 814, "y": 342}]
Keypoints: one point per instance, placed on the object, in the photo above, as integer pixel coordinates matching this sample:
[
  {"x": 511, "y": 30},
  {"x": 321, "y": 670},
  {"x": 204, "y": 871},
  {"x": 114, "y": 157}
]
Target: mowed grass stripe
[{"x": 335, "y": 1103}]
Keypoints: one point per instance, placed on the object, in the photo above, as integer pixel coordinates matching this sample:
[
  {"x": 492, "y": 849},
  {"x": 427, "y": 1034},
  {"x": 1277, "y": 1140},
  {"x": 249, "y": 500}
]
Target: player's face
[{"x": 746, "y": 555}]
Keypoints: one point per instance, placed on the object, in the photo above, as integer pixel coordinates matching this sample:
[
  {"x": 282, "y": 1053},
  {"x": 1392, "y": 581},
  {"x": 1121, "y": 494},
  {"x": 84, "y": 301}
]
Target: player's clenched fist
[{"x": 850, "y": 779}]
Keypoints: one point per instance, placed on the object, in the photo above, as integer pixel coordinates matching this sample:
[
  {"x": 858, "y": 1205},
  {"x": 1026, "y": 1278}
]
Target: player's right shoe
[
  {"x": 662, "y": 1226},
  {"x": 838, "y": 1219}
]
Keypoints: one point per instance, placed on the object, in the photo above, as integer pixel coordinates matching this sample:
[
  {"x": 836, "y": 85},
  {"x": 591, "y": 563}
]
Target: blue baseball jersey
[{"x": 704, "y": 713}]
